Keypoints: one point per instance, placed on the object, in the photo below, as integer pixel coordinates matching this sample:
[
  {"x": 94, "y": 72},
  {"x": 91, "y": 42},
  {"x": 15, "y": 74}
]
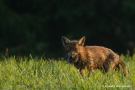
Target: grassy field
[{"x": 36, "y": 73}]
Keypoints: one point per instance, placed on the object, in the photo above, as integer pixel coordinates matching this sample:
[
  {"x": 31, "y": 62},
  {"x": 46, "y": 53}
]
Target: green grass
[{"x": 34, "y": 73}]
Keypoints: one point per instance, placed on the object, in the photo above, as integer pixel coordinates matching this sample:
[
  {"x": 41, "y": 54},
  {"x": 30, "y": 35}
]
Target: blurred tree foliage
[{"x": 36, "y": 26}]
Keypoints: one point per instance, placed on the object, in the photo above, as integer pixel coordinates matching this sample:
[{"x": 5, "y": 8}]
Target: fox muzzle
[{"x": 71, "y": 57}]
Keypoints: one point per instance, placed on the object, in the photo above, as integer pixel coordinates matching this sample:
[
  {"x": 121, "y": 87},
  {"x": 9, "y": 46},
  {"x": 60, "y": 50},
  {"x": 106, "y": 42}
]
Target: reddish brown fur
[{"x": 92, "y": 57}]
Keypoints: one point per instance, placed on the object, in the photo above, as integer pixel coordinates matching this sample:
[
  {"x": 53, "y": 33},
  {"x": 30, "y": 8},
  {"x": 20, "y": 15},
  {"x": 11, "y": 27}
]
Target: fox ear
[
  {"x": 82, "y": 41},
  {"x": 65, "y": 41}
]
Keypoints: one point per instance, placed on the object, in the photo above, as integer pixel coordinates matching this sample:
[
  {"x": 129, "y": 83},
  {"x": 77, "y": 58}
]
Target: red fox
[{"x": 92, "y": 57}]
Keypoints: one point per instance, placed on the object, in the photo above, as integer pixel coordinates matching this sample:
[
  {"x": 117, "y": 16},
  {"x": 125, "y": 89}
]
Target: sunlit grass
[{"x": 37, "y": 73}]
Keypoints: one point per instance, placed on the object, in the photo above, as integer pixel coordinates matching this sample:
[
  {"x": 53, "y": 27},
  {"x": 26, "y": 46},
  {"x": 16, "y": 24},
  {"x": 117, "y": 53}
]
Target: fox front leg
[
  {"x": 90, "y": 69},
  {"x": 82, "y": 72}
]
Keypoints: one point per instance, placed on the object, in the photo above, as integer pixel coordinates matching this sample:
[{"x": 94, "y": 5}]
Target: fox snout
[{"x": 71, "y": 57}]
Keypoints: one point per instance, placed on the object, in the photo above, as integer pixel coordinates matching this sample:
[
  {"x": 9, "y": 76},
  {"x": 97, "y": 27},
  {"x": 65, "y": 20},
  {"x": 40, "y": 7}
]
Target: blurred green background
[{"x": 36, "y": 26}]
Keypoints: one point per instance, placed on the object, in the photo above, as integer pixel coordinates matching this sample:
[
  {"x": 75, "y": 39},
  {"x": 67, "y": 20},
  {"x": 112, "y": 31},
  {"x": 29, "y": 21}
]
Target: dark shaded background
[{"x": 36, "y": 26}]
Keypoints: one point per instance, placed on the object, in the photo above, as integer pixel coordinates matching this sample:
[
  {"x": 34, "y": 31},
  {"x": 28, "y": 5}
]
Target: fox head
[{"x": 73, "y": 48}]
